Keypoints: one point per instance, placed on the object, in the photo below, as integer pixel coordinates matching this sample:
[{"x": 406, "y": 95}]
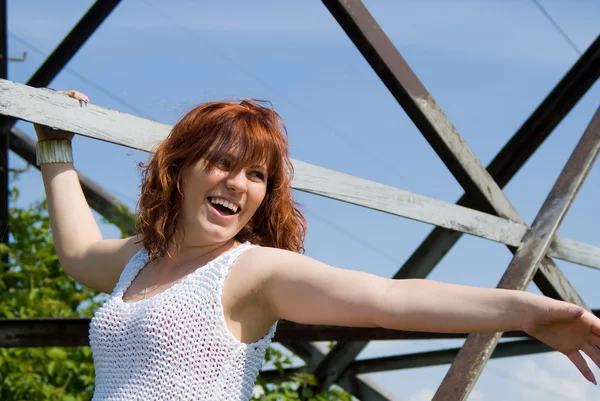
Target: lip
[
  {"x": 220, "y": 216},
  {"x": 228, "y": 200}
]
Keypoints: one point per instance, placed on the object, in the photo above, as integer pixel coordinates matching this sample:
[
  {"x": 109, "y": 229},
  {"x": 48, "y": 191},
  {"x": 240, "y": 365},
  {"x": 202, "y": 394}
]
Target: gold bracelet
[{"x": 54, "y": 151}]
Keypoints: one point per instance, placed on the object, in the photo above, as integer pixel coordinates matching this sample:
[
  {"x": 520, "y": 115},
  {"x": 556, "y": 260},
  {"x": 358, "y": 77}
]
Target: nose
[{"x": 237, "y": 181}]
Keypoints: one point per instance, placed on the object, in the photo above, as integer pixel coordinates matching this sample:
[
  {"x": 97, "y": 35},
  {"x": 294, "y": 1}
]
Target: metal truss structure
[{"x": 484, "y": 210}]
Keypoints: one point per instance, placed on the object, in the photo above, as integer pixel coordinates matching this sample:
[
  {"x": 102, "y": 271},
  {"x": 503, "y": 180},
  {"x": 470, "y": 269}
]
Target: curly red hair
[{"x": 258, "y": 135}]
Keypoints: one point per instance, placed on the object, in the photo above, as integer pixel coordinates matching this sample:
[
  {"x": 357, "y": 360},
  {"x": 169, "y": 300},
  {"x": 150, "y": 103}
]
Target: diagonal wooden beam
[
  {"x": 528, "y": 138},
  {"x": 471, "y": 360},
  {"x": 71, "y": 44},
  {"x": 421, "y": 108},
  {"x": 396, "y": 74}
]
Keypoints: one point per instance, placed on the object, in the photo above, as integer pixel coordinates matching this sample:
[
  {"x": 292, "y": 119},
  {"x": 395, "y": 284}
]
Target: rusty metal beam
[
  {"x": 51, "y": 332},
  {"x": 29, "y": 332},
  {"x": 471, "y": 360},
  {"x": 410, "y": 93},
  {"x": 4, "y": 139}
]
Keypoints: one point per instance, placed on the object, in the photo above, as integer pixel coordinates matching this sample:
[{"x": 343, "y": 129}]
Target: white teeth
[{"x": 219, "y": 201}]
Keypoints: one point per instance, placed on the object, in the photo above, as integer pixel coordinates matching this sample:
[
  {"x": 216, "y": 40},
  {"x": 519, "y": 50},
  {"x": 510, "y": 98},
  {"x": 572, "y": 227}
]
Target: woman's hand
[
  {"x": 566, "y": 328},
  {"x": 45, "y": 133}
]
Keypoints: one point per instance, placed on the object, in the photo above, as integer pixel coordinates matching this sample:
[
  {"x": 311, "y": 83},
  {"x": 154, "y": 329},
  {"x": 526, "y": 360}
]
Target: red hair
[{"x": 258, "y": 134}]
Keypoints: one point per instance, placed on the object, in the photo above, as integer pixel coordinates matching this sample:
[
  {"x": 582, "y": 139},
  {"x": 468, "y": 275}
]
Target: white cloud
[
  {"x": 424, "y": 394},
  {"x": 554, "y": 378},
  {"x": 476, "y": 395}
]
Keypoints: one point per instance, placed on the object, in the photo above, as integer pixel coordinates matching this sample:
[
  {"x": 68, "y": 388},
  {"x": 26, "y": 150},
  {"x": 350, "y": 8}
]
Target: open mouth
[{"x": 223, "y": 206}]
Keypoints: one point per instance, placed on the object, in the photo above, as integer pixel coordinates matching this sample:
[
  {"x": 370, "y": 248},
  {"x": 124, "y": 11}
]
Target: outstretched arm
[{"x": 301, "y": 289}]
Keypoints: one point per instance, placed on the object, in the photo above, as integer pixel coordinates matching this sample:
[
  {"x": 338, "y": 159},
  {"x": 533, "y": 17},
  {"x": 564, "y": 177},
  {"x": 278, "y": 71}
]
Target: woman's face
[{"x": 219, "y": 201}]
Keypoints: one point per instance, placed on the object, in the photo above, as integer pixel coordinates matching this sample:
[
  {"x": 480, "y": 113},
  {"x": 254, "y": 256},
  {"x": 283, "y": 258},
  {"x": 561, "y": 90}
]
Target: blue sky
[{"x": 487, "y": 63}]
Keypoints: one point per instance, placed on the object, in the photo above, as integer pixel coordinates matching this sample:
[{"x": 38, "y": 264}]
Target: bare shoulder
[
  {"x": 253, "y": 269},
  {"x": 260, "y": 263},
  {"x": 265, "y": 267},
  {"x": 256, "y": 263}
]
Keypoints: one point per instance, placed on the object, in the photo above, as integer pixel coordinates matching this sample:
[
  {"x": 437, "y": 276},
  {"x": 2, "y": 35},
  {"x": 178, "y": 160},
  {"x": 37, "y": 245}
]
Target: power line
[
  {"x": 556, "y": 26},
  {"x": 355, "y": 238}
]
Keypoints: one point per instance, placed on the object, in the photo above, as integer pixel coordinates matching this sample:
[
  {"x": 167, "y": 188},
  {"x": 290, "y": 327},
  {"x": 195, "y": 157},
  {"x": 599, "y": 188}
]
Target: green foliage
[
  {"x": 300, "y": 388},
  {"x": 33, "y": 285}
]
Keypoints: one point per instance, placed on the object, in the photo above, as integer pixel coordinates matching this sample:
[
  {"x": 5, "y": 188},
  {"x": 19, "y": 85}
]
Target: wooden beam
[
  {"x": 471, "y": 360},
  {"x": 357, "y": 191},
  {"x": 47, "y": 107},
  {"x": 59, "y": 111}
]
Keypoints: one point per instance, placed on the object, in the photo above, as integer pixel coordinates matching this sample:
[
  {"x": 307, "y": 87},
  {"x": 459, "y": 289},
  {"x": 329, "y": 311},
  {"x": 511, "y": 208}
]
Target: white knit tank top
[{"x": 174, "y": 345}]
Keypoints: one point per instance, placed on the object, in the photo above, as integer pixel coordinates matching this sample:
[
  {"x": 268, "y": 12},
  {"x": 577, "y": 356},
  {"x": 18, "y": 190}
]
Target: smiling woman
[
  {"x": 196, "y": 295},
  {"x": 181, "y": 191}
]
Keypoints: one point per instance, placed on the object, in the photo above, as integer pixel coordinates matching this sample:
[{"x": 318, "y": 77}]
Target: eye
[
  {"x": 224, "y": 163},
  {"x": 258, "y": 175}
]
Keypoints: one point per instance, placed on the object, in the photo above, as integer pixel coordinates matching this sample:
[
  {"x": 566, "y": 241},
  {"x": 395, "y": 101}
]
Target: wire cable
[{"x": 556, "y": 26}]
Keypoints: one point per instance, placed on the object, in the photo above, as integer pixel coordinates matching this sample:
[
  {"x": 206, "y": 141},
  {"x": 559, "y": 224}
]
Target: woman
[{"x": 196, "y": 295}]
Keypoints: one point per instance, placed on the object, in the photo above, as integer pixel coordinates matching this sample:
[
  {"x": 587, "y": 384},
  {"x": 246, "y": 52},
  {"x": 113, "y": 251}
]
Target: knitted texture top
[{"x": 174, "y": 345}]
